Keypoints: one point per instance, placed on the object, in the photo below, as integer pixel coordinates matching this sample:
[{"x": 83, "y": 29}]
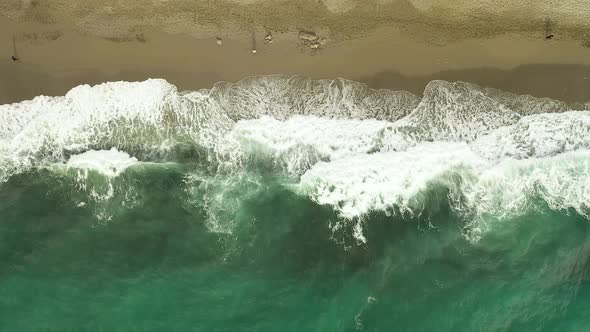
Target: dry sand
[{"x": 372, "y": 44}]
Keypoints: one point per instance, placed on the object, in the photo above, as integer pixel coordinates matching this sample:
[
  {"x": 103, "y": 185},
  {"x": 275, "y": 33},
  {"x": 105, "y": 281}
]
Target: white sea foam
[
  {"x": 107, "y": 162},
  {"x": 95, "y": 176},
  {"x": 301, "y": 141},
  {"x": 454, "y": 112},
  {"x": 399, "y": 181},
  {"x": 281, "y": 97},
  {"x": 112, "y": 115},
  {"x": 514, "y": 187},
  {"x": 381, "y": 181},
  {"x": 539, "y": 135},
  {"x": 355, "y": 148},
  {"x": 149, "y": 115}
]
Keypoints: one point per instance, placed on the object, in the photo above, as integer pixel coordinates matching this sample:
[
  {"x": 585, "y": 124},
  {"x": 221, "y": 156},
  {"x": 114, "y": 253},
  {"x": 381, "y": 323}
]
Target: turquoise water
[
  {"x": 156, "y": 267},
  {"x": 282, "y": 226}
]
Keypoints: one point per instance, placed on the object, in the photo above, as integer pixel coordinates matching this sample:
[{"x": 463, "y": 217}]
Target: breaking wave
[{"x": 491, "y": 153}]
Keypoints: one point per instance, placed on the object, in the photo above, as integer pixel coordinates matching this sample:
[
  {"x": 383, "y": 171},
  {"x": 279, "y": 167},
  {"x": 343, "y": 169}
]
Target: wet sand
[{"x": 54, "y": 57}]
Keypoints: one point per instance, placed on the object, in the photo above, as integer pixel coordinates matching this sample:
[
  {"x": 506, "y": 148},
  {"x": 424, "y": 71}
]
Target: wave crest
[{"x": 349, "y": 146}]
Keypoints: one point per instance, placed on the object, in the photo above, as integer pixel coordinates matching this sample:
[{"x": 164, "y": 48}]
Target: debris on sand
[
  {"x": 268, "y": 38},
  {"x": 308, "y": 36},
  {"x": 140, "y": 37},
  {"x": 219, "y": 41},
  {"x": 311, "y": 39}
]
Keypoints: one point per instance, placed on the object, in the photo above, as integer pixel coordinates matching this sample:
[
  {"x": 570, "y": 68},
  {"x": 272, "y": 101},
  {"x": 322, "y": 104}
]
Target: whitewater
[{"x": 339, "y": 142}]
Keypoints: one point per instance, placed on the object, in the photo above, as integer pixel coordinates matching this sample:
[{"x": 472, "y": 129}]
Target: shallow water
[{"x": 257, "y": 208}]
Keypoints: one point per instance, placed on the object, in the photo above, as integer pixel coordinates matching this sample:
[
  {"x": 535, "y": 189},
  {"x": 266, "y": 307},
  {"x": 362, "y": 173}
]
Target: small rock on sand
[
  {"x": 268, "y": 38},
  {"x": 308, "y": 36},
  {"x": 219, "y": 41}
]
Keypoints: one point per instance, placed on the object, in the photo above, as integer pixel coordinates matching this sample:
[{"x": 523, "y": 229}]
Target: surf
[{"x": 336, "y": 142}]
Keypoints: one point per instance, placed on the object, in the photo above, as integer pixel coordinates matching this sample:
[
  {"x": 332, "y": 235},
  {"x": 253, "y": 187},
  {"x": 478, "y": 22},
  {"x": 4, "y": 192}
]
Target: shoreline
[{"x": 55, "y": 58}]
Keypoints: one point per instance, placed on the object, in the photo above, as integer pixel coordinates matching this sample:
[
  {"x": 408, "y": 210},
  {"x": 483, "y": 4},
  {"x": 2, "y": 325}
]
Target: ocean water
[{"x": 288, "y": 204}]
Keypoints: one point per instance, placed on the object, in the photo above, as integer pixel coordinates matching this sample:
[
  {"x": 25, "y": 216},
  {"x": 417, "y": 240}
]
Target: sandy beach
[{"x": 58, "y": 52}]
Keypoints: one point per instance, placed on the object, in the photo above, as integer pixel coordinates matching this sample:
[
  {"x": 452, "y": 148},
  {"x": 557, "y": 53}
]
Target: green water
[{"x": 155, "y": 265}]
